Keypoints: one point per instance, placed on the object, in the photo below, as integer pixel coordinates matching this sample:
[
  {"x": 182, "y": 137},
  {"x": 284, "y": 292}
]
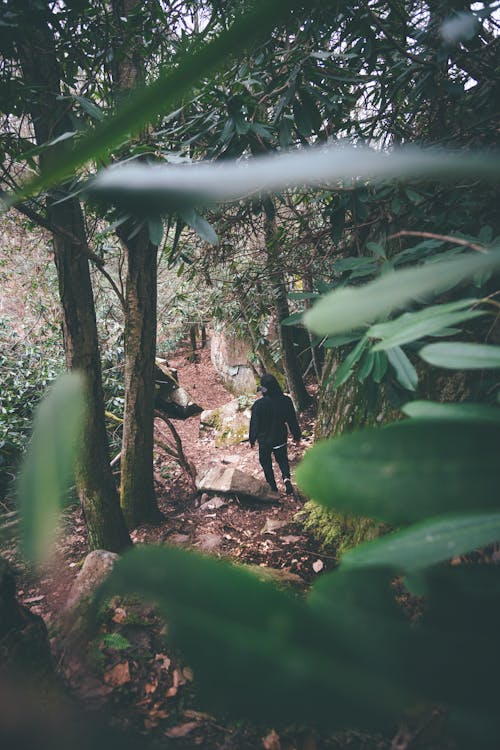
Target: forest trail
[{"x": 255, "y": 533}]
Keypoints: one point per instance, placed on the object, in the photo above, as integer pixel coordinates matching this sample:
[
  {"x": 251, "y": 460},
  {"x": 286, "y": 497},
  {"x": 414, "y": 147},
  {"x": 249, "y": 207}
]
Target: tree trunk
[
  {"x": 138, "y": 499},
  {"x": 41, "y": 70},
  {"x": 291, "y": 363}
]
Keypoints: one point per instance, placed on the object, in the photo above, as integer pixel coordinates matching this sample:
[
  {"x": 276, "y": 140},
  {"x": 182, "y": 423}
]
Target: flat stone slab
[{"x": 227, "y": 480}]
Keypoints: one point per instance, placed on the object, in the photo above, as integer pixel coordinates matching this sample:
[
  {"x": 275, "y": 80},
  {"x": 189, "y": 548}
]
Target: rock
[
  {"x": 230, "y": 422},
  {"x": 272, "y": 525},
  {"x": 230, "y": 356},
  {"x": 209, "y": 541},
  {"x": 97, "y": 566},
  {"x": 214, "y": 503},
  {"x": 170, "y": 397},
  {"x": 178, "y": 539},
  {"x": 228, "y": 480}
]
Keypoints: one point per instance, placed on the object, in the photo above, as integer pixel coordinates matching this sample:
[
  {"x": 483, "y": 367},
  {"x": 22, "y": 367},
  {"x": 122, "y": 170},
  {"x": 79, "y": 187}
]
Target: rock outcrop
[
  {"x": 230, "y": 421},
  {"x": 170, "y": 397},
  {"x": 227, "y": 480},
  {"x": 230, "y": 356}
]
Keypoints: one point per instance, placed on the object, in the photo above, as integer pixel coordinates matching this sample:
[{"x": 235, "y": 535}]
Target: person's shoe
[{"x": 288, "y": 486}]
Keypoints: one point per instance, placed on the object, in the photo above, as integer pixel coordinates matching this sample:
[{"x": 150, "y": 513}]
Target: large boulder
[
  {"x": 231, "y": 357},
  {"x": 227, "y": 480},
  {"x": 170, "y": 397},
  {"x": 230, "y": 421}
]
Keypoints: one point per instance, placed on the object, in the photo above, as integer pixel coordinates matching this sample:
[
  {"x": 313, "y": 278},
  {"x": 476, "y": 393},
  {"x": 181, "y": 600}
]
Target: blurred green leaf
[
  {"x": 348, "y": 308},
  {"x": 228, "y": 622},
  {"x": 451, "y": 412},
  {"x": 413, "y": 326},
  {"x": 427, "y": 543},
  {"x": 47, "y": 471},
  {"x": 406, "y": 471},
  {"x": 161, "y": 187},
  {"x": 462, "y": 356}
]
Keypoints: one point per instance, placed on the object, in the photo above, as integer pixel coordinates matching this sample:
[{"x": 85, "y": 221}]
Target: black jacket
[{"x": 270, "y": 417}]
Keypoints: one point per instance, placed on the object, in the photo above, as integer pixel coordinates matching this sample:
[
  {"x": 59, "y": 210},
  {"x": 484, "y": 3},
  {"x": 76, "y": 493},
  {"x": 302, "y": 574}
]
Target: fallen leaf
[
  {"x": 150, "y": 687},
  {"x": 119, "y": 675},
  {"x": 181, "y": 730},
  {"x": 120, "y": 615},
  {"x": 272, "y": 741},
  {"x": 318, "y": 565},
  {"x": 197, "y": 715},
  {"x": 291, "y": 539},
  {"x": 187, "y": 673}
]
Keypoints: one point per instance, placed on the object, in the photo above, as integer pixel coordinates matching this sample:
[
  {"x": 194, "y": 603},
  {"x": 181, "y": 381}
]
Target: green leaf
[
  {"x": 380, "y": 366},
  {"x": 344, "y": 371},
  {"x": 427, "y": 543},
  {"x": 366, "y": 365},
  {"x": 47, "y": 471},
  {"x": 302, "y": 117},
  {"x": 462, "y": 356},
  {"x": 406, "y": 374},
  {"x": 376, "y": 248},
  {"x": 200, "y": 225},
  {"x": 406, "y": 471},
  {"x": 348, "y": 308},
  {"x": 293, "y": 319},
  {"x": 89, "y": 107},
  {"x": 341, "y": 340},
  {"x": 451, "y": 412},
  {"x": 414, "y": 326},
  {"x": 155, "y": 231}
]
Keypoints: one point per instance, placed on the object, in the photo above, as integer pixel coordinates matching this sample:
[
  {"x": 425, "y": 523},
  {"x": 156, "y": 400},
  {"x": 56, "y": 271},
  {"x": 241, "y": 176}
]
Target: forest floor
[{"x": 129, "y": 674}]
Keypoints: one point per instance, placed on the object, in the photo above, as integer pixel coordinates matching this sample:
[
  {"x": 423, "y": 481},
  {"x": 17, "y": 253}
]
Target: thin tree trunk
[
  {"x": 307, "y": 283},
  {"x": 137, "y": 495},
  {"x": 291, "y": 362},
  {"x": 138, "y": 499},
  {"x": 203, "y": 336},
  {"x": 105, "y": 525}
]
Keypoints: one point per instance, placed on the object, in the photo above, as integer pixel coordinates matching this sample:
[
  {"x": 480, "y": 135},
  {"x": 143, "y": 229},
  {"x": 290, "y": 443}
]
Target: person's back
[{"x": 271, "y": 416}]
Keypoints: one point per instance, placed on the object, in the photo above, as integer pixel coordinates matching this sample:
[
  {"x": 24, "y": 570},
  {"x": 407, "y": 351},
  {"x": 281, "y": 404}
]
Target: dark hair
[{"x": 270, "y": 383}]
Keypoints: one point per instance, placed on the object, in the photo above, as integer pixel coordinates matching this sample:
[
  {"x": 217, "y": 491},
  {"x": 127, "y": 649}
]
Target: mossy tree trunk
[
  {"x": 138, "y": 499},
  {"x": 351, "y": 406},
  {"x": 42, "y": 75}
]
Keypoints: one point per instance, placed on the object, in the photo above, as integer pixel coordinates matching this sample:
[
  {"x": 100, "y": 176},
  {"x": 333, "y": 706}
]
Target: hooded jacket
[{"x": 270, "y": 416}]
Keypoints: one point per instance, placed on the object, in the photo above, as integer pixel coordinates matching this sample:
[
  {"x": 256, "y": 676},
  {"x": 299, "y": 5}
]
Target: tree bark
[
  {"x": 291, "y": 363},
  {"x": 42, "y": 73},
  {"x": 137, "y": 494}
]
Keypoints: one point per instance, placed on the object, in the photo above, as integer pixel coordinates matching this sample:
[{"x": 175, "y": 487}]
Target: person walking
[{"x": 271, "y": 415}]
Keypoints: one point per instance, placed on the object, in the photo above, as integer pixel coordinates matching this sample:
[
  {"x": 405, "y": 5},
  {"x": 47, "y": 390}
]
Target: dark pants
[{"x": 265, "y": 458}]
